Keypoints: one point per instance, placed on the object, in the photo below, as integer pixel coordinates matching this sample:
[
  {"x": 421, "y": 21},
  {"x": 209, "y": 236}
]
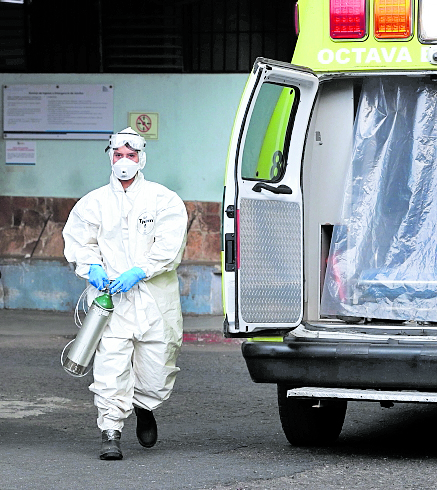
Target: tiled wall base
[{"x": 52, "y": 285}]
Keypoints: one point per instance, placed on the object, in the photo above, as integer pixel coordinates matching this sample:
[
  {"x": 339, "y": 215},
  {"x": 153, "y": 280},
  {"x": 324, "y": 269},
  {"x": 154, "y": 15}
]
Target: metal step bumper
[{"x": 364, "y": 395}]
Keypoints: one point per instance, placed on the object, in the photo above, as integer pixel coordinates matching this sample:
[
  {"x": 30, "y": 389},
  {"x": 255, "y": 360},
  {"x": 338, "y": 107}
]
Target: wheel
[{"x": 306, "y": 422}]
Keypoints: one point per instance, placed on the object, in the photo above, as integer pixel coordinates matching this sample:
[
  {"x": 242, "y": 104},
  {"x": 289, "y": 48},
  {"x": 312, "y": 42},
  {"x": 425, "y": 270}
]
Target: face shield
[{"x": 132, "y": 140}]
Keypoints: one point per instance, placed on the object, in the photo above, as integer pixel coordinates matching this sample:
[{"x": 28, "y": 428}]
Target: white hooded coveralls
[{"x": 144, "y": 226}]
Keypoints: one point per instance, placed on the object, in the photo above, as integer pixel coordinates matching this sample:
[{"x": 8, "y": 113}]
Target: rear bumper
[{"x": 387, "y": 366}]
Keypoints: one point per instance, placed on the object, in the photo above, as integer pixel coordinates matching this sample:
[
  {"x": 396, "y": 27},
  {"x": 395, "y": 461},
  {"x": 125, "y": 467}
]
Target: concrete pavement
[{"x": 202, "y": 329}]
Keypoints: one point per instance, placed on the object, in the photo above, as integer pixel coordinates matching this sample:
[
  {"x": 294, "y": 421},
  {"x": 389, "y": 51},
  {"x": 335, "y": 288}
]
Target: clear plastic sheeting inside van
[{"x": 383, "y": 257}]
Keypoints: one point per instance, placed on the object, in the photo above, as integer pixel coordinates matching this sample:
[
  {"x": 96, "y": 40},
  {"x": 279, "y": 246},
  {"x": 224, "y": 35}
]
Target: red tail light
[
  {"x": 348, "y": 19},
  {"x": 296, "y": 19},
  {"x": 237, "y": 240}
]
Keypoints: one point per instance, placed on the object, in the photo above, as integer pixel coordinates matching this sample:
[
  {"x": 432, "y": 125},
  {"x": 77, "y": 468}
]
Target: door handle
[
  {"x": 282, "y": 189},
  {"x": 229, "y": 252}
]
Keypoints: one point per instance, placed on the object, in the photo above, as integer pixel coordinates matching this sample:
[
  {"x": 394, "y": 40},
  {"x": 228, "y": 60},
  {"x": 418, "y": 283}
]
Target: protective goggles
[{"x": 131, "y": 140}]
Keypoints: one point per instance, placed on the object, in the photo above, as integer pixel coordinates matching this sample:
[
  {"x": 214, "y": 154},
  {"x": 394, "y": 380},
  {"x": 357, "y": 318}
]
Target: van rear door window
[{"x": 268, "y": 134}]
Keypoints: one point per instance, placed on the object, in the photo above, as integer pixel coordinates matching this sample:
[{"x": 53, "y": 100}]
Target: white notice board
[{"x": 57, "y": 111}]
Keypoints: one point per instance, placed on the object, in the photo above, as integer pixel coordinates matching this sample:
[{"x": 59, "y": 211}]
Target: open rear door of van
[{"x": 262, "y": 207}]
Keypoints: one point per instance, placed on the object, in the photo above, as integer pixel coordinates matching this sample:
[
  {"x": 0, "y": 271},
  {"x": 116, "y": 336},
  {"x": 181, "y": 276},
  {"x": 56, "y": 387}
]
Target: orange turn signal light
[{"x": 393, "y": 19}]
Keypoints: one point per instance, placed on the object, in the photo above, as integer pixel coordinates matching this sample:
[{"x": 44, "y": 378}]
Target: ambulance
[{"x": 329, "y": 250}]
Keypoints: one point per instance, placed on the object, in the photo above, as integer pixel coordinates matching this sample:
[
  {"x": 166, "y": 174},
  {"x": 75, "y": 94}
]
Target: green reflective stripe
[{"x": 266, "y": 339}]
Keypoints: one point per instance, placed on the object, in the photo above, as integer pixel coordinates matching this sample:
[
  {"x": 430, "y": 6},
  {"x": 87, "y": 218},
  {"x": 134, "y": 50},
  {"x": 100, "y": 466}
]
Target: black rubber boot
[
  {"x": 147, "y": 430},
  {"x": 111, "y": 445}
]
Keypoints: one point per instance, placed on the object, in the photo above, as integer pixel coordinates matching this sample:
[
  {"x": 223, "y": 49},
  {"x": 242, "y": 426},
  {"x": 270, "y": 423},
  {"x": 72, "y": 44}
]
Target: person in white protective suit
[{"x": 129, "y": 236}]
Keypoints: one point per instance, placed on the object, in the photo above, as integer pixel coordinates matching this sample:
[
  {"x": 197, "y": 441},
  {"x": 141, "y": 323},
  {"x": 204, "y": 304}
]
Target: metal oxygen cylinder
[{"x": 86, "y": 341}]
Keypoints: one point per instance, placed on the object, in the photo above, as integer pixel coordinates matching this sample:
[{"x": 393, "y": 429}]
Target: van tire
[{"x": 306, "y": 425}]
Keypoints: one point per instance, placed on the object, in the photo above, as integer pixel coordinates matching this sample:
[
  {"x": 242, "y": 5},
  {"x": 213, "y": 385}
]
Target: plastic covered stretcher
[{"x": 383, "y": 256}]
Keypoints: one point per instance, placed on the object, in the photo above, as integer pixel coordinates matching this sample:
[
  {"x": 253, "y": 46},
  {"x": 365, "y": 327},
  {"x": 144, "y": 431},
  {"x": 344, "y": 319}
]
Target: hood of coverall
[{"x": 126, "y": 169}]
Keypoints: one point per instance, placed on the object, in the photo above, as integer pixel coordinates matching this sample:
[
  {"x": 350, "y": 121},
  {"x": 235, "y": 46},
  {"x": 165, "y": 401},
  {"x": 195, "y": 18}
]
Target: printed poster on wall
[
  {"x": 69, "y": 111},
  {"x": 20, "y": 153}
]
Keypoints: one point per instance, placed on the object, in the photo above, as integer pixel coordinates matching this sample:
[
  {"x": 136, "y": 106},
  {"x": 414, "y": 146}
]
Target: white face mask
[{"x": 125, "y": 169}]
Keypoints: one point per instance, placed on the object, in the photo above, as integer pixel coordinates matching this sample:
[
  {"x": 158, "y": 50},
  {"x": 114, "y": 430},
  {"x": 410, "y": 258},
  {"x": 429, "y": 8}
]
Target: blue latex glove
[
  {"x": 127, "y": 280},
  {"x": 97, "y": 276}
]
